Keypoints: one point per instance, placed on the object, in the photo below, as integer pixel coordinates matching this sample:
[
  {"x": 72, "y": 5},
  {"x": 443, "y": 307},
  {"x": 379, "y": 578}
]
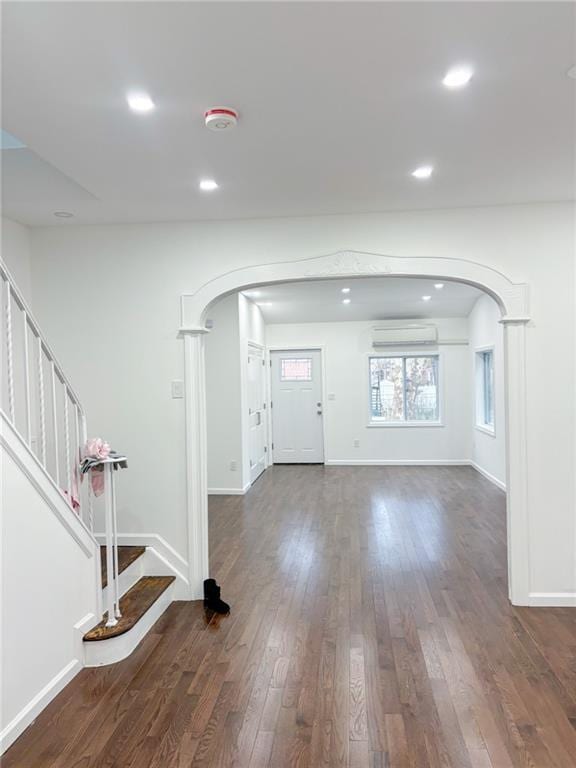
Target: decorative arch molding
[
  {"x": 511, "y": 297},
  {"x": 513, "y": 300}
]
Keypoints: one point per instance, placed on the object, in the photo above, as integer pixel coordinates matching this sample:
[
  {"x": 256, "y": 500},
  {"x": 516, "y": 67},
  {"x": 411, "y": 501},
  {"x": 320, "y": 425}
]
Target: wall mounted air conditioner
[{"x": 404, "y": 335}]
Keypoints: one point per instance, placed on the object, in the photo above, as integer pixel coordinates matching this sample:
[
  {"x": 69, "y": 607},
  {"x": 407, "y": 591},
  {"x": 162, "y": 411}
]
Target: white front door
[
  {"x": 256, "y": 413},
  {"x": 297, "y": 407}
]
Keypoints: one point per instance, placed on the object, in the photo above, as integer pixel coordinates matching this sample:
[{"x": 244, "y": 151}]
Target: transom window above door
[{"x": 404, "y": 390}]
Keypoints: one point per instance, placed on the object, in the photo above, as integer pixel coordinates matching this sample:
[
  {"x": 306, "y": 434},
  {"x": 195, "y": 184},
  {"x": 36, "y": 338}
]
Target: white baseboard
[
  {"x": 30, "y": 712},
  {"x": 228, "y": 491},
  {"x": 552, "y": 599},
  {"x": 488, "y": 476},
  {"x": 161, "y": 559},
  {"x": 396, "y": 462}
]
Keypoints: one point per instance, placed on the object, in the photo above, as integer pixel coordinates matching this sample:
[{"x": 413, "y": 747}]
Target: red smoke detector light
[{"x": 220, "y": 118}]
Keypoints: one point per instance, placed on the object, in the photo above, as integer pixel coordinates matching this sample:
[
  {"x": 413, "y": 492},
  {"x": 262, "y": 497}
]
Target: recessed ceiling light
[
  {"x": 438, "y": 286},
  {"x": 345, "y": 290},
  {"x": 208, "y": 185},
  {"x": 140, "y": 102},
  {"x": 346, "y": 301},
  {"x": 457, "y": 77},
  {"x": 423, "y": 172},
  {"x": 64, "y": 214},
  {"x": 426, "y": 298}
]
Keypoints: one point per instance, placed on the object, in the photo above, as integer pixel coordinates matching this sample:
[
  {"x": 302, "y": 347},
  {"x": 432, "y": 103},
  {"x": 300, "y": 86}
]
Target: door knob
[{"x": 319, "y": 413}]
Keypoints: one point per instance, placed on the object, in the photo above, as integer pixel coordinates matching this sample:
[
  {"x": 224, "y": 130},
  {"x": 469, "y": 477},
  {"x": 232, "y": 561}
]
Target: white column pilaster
[
  {"x": 196, "y": 459},
  {"x": 518, "y": 518}
]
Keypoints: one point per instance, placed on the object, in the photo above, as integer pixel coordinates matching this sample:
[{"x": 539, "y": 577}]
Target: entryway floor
[{"x": 370, "y": 626}]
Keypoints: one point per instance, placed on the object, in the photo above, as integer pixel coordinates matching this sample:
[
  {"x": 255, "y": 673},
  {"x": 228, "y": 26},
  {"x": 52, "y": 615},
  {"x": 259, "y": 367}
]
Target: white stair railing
[{"x": 39, "y": 401}]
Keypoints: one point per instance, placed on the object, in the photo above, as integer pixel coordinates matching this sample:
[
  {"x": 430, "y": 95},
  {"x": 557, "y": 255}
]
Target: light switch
[{"x": 177, "y": 389}]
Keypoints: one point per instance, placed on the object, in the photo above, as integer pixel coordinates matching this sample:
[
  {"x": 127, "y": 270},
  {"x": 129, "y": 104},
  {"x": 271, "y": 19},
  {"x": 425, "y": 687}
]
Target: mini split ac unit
[{"x": 403, "y": 335}]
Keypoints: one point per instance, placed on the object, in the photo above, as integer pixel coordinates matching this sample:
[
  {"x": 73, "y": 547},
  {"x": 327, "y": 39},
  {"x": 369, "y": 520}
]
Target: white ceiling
[
  {"x": 373, "y": 298},
  {"x": 338, "y": 103}
]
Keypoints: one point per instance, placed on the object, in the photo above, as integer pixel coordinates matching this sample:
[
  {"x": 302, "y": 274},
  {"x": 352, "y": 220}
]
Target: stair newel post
[
  {"x": 117, "y": 612},
  {"x": 111, "y": 552}
]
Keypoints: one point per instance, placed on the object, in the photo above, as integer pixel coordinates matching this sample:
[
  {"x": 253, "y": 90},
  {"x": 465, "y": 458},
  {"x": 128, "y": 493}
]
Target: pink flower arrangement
[{"x": 96, "y": 448}]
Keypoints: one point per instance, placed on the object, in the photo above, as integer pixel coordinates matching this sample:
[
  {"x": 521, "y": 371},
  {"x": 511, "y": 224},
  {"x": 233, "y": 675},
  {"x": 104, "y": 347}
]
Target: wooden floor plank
[{"x": 370, "y": 628}]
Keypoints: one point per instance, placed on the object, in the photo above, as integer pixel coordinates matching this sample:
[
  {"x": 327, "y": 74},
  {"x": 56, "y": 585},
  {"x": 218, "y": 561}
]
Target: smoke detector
[{"x": 220, "y": 118}]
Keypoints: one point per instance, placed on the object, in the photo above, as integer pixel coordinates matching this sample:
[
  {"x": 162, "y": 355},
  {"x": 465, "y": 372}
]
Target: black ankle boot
[{"x": 212, "y": 599}]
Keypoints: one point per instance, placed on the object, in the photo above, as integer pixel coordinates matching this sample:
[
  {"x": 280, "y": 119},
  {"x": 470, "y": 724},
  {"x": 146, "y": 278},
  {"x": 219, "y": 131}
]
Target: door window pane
[{"x": 296, "y": 369}]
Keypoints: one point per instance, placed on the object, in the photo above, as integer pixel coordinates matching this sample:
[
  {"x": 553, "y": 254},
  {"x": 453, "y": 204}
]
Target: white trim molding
[
  {"x": 196, "y": 458},
  {"x": 30, "y": 712},
  {"x": 229, "y": 491},
  {"x": 161, "y": 559},
  {"x": 488, "y": 476},
  {"x": 552, "y": 599},
  {"x": 511, "y": 297}
]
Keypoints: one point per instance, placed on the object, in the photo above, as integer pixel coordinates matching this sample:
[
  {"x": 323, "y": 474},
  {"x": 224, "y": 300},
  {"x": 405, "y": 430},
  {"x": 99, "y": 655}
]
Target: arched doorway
[{"x": 512, "y": 298}]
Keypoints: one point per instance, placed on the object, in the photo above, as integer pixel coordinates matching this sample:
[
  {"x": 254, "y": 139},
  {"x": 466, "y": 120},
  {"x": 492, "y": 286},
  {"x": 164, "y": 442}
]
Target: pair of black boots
[{"x": 212, "y": 599}]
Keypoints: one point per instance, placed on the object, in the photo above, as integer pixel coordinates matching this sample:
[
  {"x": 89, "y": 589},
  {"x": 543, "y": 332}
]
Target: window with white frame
[
  {"x": 485, "y": 389},
  {"x": 404, "y": 389}
]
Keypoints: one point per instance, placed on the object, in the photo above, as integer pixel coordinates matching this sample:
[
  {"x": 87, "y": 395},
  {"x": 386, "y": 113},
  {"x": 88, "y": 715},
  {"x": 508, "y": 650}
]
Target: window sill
[
  {"x": 486, "y": 430},
  {"x": 403, "y": 424}
]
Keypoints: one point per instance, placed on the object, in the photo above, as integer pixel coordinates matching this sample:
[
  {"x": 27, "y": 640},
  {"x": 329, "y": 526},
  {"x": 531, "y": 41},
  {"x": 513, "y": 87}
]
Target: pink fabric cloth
[
  {"x": 97, "y": 449},
  {"x": 97, "y": 481}
]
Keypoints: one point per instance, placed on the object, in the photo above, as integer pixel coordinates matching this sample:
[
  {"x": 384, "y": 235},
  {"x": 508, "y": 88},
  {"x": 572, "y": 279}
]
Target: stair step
[
  {"x": 126, "y": 556},
  {"x": 133, "y": 605}
]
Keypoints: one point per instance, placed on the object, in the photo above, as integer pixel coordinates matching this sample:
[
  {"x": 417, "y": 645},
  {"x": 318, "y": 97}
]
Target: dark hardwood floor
[{"x": 370, "y": 627}]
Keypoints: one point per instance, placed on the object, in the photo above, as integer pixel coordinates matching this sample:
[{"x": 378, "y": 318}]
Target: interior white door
[
  {"x": 256, "y": 412},
  {"x": 297, "y": 407}
]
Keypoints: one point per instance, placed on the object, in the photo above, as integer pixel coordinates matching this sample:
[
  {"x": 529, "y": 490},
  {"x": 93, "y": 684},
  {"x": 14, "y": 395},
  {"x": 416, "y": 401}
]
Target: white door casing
[
  {"x": 297, "y": 406},
  {"x": 512, "y": 298},
  {"x": 256, "y": 385}
]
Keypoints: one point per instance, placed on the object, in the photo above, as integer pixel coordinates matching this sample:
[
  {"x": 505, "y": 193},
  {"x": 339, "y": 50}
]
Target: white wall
[
  {"x": 252, "y": 330},
  {"x": 224, "y": 398},
  {"x": 16, "y": 254},
  {"x": 134, "y": 275},
  {"x": 347, "y": 347},
  {"x": 236, "y": 321},
  {"x": 484, "y": 330},
  {"x": 48, "y": 586}
]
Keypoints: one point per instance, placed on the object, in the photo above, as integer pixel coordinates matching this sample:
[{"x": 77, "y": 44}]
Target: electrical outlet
[
  {"x": 233, "y": 466},
  {"x": 356, "y": 443}
]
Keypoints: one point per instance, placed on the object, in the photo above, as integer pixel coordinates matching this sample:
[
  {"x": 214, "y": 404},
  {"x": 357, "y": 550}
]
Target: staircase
[
  {"x": 143, "y": 599},
  {"x": 53, "y": 569}
]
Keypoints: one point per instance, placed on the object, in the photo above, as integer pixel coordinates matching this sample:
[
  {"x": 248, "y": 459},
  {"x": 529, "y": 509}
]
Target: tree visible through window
[{"x": 404, "y": 388}]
